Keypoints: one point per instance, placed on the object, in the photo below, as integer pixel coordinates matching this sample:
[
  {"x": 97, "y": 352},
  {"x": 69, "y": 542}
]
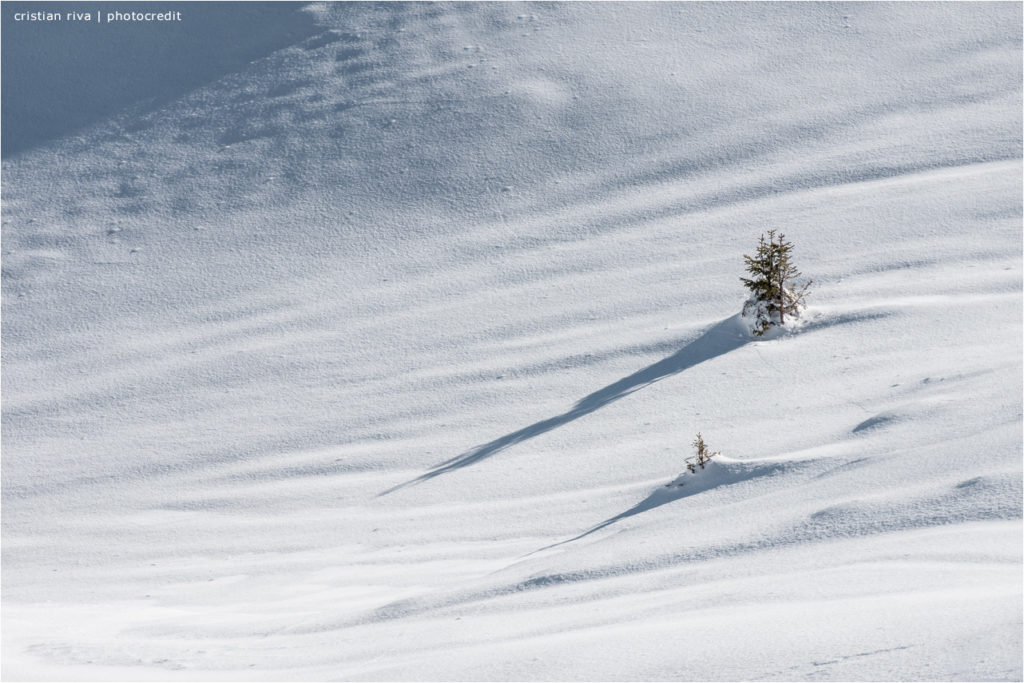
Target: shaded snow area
[{"x": 371, "y": 348}]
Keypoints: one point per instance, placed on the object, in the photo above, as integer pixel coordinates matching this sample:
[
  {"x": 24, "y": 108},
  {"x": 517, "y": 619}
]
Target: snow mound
[
  {"x": 755, "y": 313},
  {"x": 724, "y": 471}
]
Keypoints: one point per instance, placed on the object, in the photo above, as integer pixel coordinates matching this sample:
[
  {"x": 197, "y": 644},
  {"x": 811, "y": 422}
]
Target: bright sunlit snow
[{"x": 368, "y": 342}]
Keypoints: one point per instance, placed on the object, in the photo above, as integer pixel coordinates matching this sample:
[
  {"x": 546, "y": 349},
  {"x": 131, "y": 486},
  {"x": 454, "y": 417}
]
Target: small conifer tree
[
  {"x": 702, "y": 455},
  {"x": 773, "y": 296}
]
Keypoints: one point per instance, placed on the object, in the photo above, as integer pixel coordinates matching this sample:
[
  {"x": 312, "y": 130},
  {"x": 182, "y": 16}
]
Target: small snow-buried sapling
[{"x": 700, "y": 458}]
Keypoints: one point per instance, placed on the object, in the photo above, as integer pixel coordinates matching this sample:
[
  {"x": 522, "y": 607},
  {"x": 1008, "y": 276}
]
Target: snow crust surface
[{"x": 371, "y": 357}]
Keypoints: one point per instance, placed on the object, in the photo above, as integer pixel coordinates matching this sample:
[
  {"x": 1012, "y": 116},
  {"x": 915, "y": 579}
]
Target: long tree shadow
[
  {"x": 725, "y": 336},
  {"x": 717, "y": 474},
  {"x": 660, "y": 497}
]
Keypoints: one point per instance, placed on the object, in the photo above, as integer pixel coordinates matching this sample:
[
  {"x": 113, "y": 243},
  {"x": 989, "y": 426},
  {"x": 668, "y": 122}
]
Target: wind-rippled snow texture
[{"x": 371, "y": 358}]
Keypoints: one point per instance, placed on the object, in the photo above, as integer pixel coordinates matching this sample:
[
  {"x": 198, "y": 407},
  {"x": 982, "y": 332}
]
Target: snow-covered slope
[{"x": 372, "y": 358}]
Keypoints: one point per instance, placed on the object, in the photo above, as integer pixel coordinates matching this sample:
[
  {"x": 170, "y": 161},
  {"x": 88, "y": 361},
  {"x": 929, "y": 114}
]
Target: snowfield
[{"x": 372, "y": 356}]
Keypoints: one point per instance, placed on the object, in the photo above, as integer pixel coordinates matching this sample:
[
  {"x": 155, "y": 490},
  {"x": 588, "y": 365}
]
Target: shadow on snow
[
  {"x": 720, "y": 339},
  {"x": 62, "y": 76},
  {"x": 717, "y": 473},
  {"x": 660, "y": 497}
]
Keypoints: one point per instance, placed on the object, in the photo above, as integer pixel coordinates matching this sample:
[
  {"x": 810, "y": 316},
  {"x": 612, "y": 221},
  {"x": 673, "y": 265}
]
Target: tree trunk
[{"x": 782, "y": 302}]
